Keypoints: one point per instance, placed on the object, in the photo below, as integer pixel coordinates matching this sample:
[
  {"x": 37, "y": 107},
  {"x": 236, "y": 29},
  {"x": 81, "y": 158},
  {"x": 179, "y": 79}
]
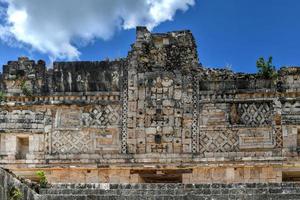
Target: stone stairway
[
  {"x": 258, "y": 191},
  {"x": 104, "y": 191}
]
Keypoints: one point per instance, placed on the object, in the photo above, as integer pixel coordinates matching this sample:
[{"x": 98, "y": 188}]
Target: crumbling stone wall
[
  {"x": 8, "y": 182},
  {"x": 158, "y": 108}
]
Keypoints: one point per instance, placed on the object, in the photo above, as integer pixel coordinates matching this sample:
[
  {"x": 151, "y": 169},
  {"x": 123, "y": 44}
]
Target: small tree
[
  {"x": 265, "y": 68},
  {"x": 42, "y": 178}
]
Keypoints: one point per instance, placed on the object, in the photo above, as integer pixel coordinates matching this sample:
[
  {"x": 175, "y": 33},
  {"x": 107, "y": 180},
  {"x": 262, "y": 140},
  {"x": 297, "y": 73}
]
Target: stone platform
[{"x": 155, "y": 191}]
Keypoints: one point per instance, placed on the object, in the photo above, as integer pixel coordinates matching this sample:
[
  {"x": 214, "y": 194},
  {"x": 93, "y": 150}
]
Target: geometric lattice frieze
[
  {"x": 292, "y": 107},
  {"x": 66, "y": 142},
  {"x": 291, "y": 113},
  {"x": 218, "y": 140},
  {"x": 195, "y": 128},
  {"x": 101, "y": 116},
  {"x": 278, "y": 137},
  {"x": 124, "y": 113},
  {"x": 254, "y": 114}
]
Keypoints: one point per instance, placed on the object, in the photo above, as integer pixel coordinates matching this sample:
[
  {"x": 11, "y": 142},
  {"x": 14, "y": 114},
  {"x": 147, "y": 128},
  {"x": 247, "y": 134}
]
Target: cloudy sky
[{"x": 232, "y": 33}]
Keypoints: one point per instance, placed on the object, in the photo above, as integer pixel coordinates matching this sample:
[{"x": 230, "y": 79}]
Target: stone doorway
[
  {"x": 22, "y": 147},
  {"x": 291, "y": 176},
  {"x": 161, "y": 176}
]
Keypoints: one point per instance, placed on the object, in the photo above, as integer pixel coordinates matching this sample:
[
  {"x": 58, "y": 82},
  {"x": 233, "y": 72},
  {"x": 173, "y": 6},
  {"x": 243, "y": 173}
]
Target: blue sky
[{"x": 228, "y": 33}]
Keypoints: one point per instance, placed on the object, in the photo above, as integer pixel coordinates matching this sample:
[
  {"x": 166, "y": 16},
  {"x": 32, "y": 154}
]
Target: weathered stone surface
[
  {"x": 149, "y": 191},
  {"x": 155, "y": 116}
]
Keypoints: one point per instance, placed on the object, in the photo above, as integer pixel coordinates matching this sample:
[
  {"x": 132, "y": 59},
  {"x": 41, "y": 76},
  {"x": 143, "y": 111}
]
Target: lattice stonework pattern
[
  {"x": 278, "y": 137},
  {"x": 195, "y": 131},
  {"x": 101, "y": 116},
  {"x": 218, "y": 140},
  {"x": 124, "y": 113},
  {"x": 64, "y": 142},
  {"x": 255, "y": 114}
]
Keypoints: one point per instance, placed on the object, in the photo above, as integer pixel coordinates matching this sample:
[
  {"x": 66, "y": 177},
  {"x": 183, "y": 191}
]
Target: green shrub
[
  {"x": 266, "y": 68},
  {"x": 15, "y": 194},
  {"x": 2, "y": 96},
  {"x": 42, "y": 178},
  {"x": 25, "y": 90}
]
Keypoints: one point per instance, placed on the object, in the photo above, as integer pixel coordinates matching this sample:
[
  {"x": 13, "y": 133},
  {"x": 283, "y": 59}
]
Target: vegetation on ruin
[
  {"x": 25, "y": 90},
  {"x": 266, "y": 69},
  {"x": 2, "y": 96},
  {"x": 15, "y": 193},
  {"x": 20, "y": 81},
  {"x": 42, "y": 178}
]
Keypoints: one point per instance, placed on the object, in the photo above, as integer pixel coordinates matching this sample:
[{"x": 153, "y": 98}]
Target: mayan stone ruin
[{"x": 156, "y": 116}]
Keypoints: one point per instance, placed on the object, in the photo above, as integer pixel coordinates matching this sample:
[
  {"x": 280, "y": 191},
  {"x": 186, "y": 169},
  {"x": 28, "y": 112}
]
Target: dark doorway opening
[
  {"x": 22, "y": 147},
  {"x": 161, "y": 176},
  {"x": 291, "y": 176}
]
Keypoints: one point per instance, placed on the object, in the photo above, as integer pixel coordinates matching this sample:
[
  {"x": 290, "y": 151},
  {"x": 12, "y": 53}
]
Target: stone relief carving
[
  {"x": 23, "y": 119},
  {"x": 254, "y": 114},
  {"x": 166, "y": 108},
  {"x": 164, "y": 113},
  {"x": 66, "y": 142},
  {"x": 101, "y": 116},
  {"x": 256, "y": 138},
  {"x": 278, "y": 137},
  {"x": 291, "y": 107},
  {"x": 68, "y": 118},
  {"x": 219, "y": 140},
  {"x": 195, "y": 100},
  {"x": 124, "y": 148},
  {"x": 104, "y": 138},
  {"x": 85, "y": 130},
  {"x": 290, "y": 113}
]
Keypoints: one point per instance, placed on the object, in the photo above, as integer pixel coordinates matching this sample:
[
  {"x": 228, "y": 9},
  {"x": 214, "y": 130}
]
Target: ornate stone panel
[
  {"x": 218, "y": 140},
  {"x": 195, "y": 124},
  {"x": 291, "y": 113},
  {"x": 163, "y": 113},
  {"x": 101, "y": 116},
  {"x": 291, "y": 107},
  {"x": 67, "y": 142},
  {"x": 87, "y": 129},
  {"x": 124, "y": 135},
  {"x": 68, "y": 118},
  {"x": 278, "y": 137},
  {"x": 23, "y": 119},
  {"x": 102, "y": 137},
  {"x": 164, "y": 118},
  {"x": 252, "y": 114},
  {"x": 105, "y": 140},
  {"x": 258, "y": 138}
]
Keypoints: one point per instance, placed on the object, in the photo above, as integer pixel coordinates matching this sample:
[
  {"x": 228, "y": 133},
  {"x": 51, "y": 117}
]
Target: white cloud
[{"x": 57, "y": 27}]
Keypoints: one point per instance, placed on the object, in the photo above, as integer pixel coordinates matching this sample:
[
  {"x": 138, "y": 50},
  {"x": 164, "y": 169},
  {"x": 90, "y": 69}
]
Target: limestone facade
[{"x": 155, "y": 116}]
